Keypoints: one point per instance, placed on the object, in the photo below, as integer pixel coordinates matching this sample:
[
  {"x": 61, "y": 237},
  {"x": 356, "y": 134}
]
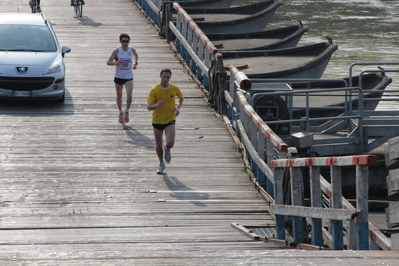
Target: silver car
[{"x": 31, "y": 59}]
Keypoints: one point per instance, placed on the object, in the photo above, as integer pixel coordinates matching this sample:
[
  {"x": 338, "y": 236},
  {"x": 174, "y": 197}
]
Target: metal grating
[{"x": 269, "y": 232}]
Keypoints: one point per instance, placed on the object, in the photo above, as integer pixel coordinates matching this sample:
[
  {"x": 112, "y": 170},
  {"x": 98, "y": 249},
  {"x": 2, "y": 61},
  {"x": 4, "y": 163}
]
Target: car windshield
[{"x": 26, "y": 38}]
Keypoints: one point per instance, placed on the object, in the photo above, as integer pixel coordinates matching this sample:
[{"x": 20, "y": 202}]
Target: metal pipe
[{"x": 244, "y": 82}]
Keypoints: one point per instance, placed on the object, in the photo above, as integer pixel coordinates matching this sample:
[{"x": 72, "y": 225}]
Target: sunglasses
[{"x": 125, "y": 41}]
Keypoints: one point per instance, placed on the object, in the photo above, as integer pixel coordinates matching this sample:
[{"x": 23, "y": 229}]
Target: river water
[{"x": 364, "y": 30}]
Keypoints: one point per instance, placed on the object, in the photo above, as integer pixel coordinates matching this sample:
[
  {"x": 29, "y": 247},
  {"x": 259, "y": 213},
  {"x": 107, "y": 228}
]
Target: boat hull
[
  {"x": 280, "y": 38},
  {"x": 250, "y": 18},
  {"x": 373, "y": 85},
  {"x": 309, "y": 61},
  {"x": 206, "y": 3}
]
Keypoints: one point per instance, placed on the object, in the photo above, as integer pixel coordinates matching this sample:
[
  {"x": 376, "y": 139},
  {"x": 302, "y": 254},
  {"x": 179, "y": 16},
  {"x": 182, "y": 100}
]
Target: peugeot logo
[{"x": 22, "y": 70}]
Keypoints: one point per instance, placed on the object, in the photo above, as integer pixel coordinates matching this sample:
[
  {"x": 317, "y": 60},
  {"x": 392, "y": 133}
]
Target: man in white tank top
[{"x": 125, "y": 59}]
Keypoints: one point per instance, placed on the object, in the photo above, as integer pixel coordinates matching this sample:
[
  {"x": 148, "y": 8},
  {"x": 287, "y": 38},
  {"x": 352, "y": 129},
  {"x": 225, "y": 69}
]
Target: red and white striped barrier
[
  {"x": 326, "y": 161},
  {"x": 194, "y": 27},
  {"x": 374, "y": 233},
  {"x": 260, "y": 124}
]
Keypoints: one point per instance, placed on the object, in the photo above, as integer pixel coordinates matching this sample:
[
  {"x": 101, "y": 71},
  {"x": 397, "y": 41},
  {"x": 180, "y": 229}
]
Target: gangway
[
  {"x": 260, "y": 143},
  {"x": 263, "y": 145}
]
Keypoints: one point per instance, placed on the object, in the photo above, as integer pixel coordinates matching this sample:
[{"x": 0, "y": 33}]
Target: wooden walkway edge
[{"x": 78, "y": 188}]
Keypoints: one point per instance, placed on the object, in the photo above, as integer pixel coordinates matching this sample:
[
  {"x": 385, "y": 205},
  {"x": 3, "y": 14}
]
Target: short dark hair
[
  {"x": 124, "y": 35},
  {"x": 166, "y": 70}
]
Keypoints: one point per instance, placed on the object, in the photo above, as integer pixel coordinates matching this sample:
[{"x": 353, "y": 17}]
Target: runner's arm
[{"x": 111, "y": 59}]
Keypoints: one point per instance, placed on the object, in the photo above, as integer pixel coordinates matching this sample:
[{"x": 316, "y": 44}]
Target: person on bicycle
[{"x": 72, "y": 2}]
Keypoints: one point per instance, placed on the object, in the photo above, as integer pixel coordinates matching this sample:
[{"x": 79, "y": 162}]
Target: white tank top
[{"x": 124, "y": 70}]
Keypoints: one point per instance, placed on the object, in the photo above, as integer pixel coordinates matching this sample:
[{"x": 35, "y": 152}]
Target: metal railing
[
  {"x": 265, "y": 150},
  {"x": 193, "y": 45},
  {"x": 353, "y": 112},
  {"x": 152, "y": 8},
  {"x": 305, "y": 122},
  {"x": 336, "y": 213},
  {"x": 263, "y": 147}
]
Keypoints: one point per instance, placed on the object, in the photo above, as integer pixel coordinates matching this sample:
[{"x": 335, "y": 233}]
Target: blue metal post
[
  {"x": 337, "y": 234},
  {"x": 362, "y": 236},
  {"x": 336, "y": 202},
  {"x": 270, "y": 187},
  {"x": 261, "y": 177},
  {"x": 199, "y": 73},
  {"x": 362, "y": 186},
  {"x": 193, "y": 66},
  {"x": 178, "y": 44},
  {"x": 268, "y": 157},
  {"x": 315, "y": 194},
  {"x": 205, "y": 82},
  {"x": 187, "y": 57},
  {"x": 297, "y": 199},
  {"x": 183, "y": 51},
  {"x": 279, "y": 200}
]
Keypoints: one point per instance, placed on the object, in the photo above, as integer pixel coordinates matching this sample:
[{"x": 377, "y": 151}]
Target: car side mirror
[{"x": 65, "y": 49}]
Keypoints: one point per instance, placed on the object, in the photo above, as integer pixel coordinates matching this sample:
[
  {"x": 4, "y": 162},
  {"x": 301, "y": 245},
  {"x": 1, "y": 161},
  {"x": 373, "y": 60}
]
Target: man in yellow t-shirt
[{"x": 162, "y": 102}]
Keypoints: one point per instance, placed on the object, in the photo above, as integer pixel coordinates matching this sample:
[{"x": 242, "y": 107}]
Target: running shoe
[
  {"x": 120, "y": 120},
  {"x": 161, "y": 168},
  {"x": 38, "y": 9},
  {"x": 126, "y": 117},
  {"x": 168, "y": 155}
]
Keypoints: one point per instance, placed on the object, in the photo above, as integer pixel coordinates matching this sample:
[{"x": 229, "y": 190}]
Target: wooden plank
[
  {"x": 75, "y": 184},
  {"x": 392, "y": 152},
  {"x": 313, "y": 212},
  {"x": 392, "y": 213},
  {"x": 72, "y": 176},
  {"x": 395, "y": 241},
  {"x": 393, "y": 182}
]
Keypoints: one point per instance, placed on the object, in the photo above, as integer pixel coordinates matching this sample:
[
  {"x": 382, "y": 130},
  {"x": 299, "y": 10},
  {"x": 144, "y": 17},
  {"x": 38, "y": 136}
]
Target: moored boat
[
  {"x": 238, "y": 19},
  {"x": 205, "y": 3},
  {"x": 307, "y": 61},
  {"x": 280, "y": 38},
  {"x": 372, "y": 85}
]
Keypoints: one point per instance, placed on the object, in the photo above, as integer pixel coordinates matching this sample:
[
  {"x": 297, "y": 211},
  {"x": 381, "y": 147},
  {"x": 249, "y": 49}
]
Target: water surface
[{"x": 365, "y": 31}]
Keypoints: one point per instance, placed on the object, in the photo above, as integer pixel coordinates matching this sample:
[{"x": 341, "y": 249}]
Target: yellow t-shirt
[{"x": 165, "y": 113}]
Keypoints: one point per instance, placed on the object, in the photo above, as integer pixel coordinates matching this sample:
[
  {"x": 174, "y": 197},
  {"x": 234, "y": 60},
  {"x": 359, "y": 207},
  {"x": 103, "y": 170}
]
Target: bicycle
[
  {"x": 34, "y": 6},
  {"x": 78, "y": 7}
]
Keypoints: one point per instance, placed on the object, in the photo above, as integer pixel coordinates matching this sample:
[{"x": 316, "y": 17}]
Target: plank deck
[{"x": 79, "y": 188}]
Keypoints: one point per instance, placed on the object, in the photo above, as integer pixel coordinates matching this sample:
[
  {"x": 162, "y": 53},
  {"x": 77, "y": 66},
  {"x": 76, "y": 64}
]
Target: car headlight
[{"x": 56, "y": 67}]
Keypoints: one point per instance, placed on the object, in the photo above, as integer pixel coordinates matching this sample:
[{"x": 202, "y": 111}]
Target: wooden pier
[{"x": 79, "y": 188}]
